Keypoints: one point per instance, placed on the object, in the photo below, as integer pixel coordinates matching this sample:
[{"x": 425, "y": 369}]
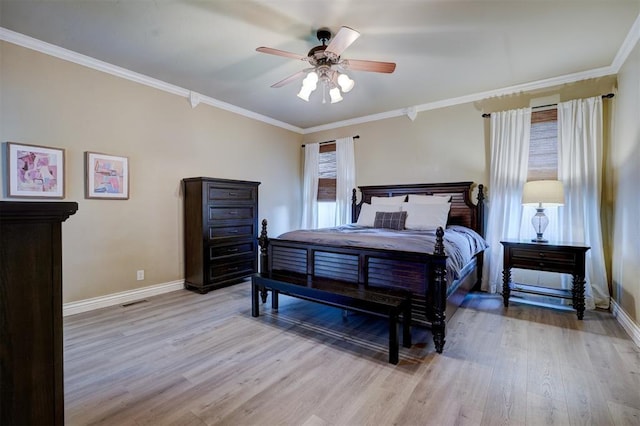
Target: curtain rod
[
  {"x": 332, "y": 141},
  {"x": 607, "y": 96}
]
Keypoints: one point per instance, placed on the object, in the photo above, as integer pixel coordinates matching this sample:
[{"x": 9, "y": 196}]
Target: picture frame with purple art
[
  {"x": 106, "y": 176},
  {"x": 34, "y": 171}
]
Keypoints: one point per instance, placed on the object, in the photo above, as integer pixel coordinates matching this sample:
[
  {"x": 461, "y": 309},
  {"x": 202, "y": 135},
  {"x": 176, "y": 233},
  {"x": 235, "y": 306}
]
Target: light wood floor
[{"x": 188, "y": 359}]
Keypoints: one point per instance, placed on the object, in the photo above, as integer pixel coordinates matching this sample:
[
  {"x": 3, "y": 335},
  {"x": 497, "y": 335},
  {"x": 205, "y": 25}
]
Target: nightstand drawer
[{"x": 542, "y": 255}]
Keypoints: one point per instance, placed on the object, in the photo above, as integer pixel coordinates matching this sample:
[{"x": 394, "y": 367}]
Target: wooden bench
[{"x": 380, "y": 302}]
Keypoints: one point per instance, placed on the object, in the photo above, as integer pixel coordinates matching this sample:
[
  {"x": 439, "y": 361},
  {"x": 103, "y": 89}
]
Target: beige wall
[
  {"x": 441, "y": 145},
  {"x": 48, "y": 101},
  {"x": 625, "y": 162},
  {"x": 444, "y": 145}
]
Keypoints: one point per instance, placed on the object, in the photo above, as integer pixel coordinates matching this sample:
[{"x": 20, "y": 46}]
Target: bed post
[
  {"x": 480, "y": 229},
  {"x": 480, "y": 211},
  {"x": 263, "y": 242},
  {"x": 439, "y": 291},
  {"x": 353, "y": 206}
]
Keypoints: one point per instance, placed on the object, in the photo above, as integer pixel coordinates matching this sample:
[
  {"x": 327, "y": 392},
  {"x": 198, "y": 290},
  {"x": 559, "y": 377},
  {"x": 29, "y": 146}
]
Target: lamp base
[{"x": 539, "y": 222}]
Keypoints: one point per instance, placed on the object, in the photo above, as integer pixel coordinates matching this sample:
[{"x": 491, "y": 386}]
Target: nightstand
[{"x": 565, "y": 258}]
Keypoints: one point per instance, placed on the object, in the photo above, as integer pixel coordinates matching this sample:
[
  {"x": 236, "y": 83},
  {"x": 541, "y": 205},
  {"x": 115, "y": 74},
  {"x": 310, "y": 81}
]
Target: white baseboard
[
  {"x": 626, "y": 322},
  {"x": 86, "y": 305}
]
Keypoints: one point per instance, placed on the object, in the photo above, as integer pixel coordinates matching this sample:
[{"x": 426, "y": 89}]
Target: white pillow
[
  {"x": 429, "y": 199},
  {"x": 396, "y": 201},
  {"x": 368, "y": 213},
  {"x": 423, "y": 217}
]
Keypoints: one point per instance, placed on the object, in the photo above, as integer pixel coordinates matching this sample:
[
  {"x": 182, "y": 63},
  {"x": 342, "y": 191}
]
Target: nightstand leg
[
  {"x": 506, "y": 286},
  {"x": 578, "y": 295}
]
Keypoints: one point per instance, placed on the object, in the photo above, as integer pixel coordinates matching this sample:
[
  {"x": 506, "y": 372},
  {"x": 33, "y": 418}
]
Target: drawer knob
[
  {"x": 541, "y": 264},
  {"x": 234, "y": 231},
  {"x": 232, "y": 250},
  {"x": 232, "y": 194},
  {"x": 233, "y": 212},
  {"x": 541, "y": 254}
]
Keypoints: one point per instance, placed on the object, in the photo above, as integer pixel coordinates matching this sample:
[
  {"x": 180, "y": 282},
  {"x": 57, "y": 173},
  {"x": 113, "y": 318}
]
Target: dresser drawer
[
  {"x": 222, "y": 271},
  {"x": 230, "y": 213},
  {"x": 225, "y": 193},
  {"x": 240, "y": 231},
  {"x": 231, "y": 250}
]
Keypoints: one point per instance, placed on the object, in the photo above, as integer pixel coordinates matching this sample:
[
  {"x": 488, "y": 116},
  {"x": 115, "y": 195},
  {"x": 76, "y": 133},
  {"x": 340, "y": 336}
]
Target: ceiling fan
[{"x": 328, "y": 66}]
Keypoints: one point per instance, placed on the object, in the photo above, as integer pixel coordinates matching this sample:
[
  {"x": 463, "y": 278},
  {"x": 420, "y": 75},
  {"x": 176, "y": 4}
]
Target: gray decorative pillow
[{"x": 390, "y": 220}]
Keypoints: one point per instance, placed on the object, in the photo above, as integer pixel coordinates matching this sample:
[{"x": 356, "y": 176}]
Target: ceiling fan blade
[
  {"x": 291, "y": 78},
  {"x": 277, "y": 52},
  {"x": 342, "y": 40},
  {"x": 372, "y": 66}
]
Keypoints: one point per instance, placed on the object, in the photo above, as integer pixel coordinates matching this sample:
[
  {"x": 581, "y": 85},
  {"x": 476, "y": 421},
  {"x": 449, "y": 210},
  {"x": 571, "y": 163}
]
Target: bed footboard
[{"x": 424, "y": 275}]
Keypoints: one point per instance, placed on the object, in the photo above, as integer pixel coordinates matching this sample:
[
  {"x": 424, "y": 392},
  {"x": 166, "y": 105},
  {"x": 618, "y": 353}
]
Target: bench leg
[
  {"x": 255, "y": 303},
  {"x": 393, "y": 339},
  {"x": 274, "y": 299},
  {"x": 406, "y": 326}
]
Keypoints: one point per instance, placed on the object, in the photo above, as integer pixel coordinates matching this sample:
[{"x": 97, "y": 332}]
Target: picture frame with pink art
[
  {"x": 106, "y": 176},
  {"x": 34, "y": 171}
]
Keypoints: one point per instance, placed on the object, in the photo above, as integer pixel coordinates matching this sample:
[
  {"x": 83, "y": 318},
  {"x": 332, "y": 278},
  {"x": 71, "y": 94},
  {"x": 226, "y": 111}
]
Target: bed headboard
[{"x": 463, "y": 210}]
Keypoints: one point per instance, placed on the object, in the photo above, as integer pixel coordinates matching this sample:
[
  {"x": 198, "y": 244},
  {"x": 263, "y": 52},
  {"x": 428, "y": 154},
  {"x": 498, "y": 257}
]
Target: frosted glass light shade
[
  {"x": 346, "y": 84},
  {"x": 311, "y": 79},
  {"x": 335, "y": 95},
  {"x": 305, "y": 92}
]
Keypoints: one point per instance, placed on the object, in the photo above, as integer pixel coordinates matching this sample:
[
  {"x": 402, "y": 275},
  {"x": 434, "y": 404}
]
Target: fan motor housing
[{"x": 324, "y": 35}]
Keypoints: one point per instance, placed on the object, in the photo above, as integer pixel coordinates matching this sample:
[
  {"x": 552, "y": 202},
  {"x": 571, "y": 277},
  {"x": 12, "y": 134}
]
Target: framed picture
[
  {"x": 34, "y": 171},
  {"x": 106, "y": 176}
]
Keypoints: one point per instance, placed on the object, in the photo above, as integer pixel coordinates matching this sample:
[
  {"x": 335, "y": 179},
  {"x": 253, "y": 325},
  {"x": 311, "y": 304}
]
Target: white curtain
[
  {"x": 345, "y": 179},
  {"x": 580, "y": 156},
  {"x": 310, "y": 186},
  {"x": 510, "y": 132}
]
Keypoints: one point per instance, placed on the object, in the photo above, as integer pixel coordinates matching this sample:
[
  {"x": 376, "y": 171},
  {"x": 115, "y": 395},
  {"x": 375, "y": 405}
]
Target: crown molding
[
  {"x": 89, "y": 62},
  {"x": 535, "y": 85},
  {"x": 627, "y": 46}
]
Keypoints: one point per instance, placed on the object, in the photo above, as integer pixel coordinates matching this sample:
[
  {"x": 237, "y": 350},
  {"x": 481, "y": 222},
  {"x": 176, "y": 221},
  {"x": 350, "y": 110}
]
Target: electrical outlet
[{"x": 140, "y": 275}]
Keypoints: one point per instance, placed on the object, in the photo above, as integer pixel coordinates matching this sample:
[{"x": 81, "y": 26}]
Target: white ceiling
[{"x": 443, "y": 49}]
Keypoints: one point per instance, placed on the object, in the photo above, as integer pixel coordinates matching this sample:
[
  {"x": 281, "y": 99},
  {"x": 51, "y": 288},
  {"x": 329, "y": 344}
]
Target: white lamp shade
[{"x": 545, "y": 192}]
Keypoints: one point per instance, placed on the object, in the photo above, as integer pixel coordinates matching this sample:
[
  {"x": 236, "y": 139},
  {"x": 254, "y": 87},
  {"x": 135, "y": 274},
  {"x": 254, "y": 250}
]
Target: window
[
  {"x": 327, "y": 173},
  {"x": 543, "y": 145}
]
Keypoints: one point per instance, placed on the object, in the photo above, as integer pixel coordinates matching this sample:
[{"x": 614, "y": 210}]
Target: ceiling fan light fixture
[
  {"x": 326, "y": 60},
  {"x": 346, "y": 84},
  {"x": 335, "y": 95}
]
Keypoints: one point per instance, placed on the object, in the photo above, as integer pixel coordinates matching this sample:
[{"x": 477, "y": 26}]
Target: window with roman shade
[
  {"x": 327, "y": 173},
  {"x": 543, "y": 146}
]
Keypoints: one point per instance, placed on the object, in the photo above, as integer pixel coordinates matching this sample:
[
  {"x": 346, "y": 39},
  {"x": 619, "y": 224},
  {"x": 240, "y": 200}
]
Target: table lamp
[{"x": 541, "y": 194}]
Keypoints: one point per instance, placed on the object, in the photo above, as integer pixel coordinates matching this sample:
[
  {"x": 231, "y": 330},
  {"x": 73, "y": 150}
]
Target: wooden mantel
[{"x": 31, "y": 357}]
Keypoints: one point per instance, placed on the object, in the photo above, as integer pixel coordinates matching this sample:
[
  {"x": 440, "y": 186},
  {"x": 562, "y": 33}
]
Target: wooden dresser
[
  {"x": 31, "y": 355},
  {"x": 220, "y": 232}
]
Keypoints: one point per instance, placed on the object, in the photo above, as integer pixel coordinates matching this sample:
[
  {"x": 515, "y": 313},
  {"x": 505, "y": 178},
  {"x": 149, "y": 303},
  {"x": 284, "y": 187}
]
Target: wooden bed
[{"x": 433, "y": 299}]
